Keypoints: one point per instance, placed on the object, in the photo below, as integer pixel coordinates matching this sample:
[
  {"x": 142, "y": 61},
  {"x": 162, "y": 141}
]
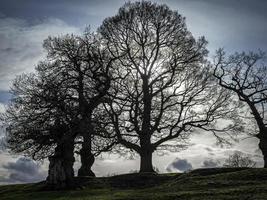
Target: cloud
[
  {"x": 23, "y": 170},
  {"x": 21, "y": 45},
  {"x": 225, "y": 23},
  {"x": 210, "y": 163},
  {"x": 114, "y": 164},
  {"x": 179, "y": 164}
]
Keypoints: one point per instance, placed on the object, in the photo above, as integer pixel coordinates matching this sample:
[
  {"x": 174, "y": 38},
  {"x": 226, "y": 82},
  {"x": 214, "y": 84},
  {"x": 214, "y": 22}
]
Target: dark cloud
[
  {"x": 180, "y": 164},
  {"x": 240, "y": 20},
  {"x": 210, "y": 163},
  {"x": 235, "y": 25},
  {"x": 24, "y": 170},
  {"x": 78, "y": 13},
  {"x": 4, "y": 97},
  {"x": 208, "y": 149},
  {"x": 21, "y": 47}
]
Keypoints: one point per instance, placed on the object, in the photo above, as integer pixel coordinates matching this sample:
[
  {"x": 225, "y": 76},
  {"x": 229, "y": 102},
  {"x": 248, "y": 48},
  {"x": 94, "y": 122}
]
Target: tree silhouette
[
  {"x": 246, "y": 75},
  {"x": 163, "y": 87},
  {"x": 39, "y": 125},
  {"x": 239, "y": 159},
  {"x": 56, "y": 108},
  {"x": 84, "y": 67}
]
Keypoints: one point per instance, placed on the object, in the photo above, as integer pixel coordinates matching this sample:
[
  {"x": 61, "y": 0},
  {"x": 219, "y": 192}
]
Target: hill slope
[{"x": 201, "y": 184}]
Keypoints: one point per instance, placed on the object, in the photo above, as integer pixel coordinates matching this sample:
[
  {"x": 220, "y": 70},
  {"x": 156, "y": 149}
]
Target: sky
[{"x": 239, "y": 25}]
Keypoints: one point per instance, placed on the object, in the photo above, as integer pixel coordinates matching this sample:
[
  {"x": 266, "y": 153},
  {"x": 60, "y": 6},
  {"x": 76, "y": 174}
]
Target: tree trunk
[
  {"x": 87, "y": 158},
  {"x": 146, "y": 152},
  {"x": 60, "y": 173},
  {"x": 145, "y": 137},
  {"x": 263, "y": 146},
  {"x": 146, "y": 161}
]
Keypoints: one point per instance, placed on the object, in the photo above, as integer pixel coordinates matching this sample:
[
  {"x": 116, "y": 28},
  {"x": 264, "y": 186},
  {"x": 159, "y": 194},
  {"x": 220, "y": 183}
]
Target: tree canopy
[{"x": 163, "y": 86}]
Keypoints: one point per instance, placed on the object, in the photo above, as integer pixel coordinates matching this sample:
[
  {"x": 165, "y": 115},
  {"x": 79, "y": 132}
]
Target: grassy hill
[{"x": 201, "y": 184}]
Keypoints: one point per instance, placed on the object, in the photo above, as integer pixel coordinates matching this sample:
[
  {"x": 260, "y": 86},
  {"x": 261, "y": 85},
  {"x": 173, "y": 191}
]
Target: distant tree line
[{"x": 142, "y": 83}]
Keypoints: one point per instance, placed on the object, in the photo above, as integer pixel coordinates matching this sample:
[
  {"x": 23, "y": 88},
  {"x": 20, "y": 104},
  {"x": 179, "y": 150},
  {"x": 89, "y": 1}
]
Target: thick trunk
[
  {"x": 146, "y": 161},
  {"x": 87, "y": 158},
  {"x": 263, "y": 146},
  {"x": 146, "y": 152},
  {"x": 60, "y": 173},
  {"x": 87, "y": 161}
]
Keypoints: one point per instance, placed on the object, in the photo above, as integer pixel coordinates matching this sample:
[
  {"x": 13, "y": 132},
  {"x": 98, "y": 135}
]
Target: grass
[{"x": 201, "y": 184}]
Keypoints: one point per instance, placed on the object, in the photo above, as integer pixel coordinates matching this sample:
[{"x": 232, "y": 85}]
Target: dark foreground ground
[{"x": 201, "y": 184}]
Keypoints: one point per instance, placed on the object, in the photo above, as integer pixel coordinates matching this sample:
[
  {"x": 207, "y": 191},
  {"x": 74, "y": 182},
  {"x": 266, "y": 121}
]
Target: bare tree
[
  {"x": 246, "y": 75},
  {"x": 239, "y": 159},
  {"x": 163, "y": 87}
]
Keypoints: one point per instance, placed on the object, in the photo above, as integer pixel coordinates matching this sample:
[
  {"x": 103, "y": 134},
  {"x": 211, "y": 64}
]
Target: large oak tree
[{"x": 163, "y": 86}]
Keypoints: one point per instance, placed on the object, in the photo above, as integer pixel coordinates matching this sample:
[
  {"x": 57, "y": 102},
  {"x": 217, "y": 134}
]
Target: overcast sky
[{"x": 235, "y": 25}]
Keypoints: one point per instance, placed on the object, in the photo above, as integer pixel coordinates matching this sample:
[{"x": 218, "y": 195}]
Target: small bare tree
[{"x": 239, "y": 159}]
